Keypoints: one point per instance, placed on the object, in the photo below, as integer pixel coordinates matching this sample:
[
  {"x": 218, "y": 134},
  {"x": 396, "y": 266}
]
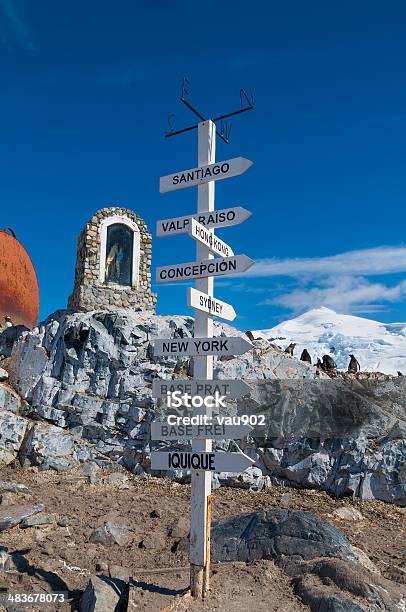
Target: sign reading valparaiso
[
  {"x": 216, "y": 218},
  {"x": 232, "y": 389},
  {"x": 201, "y": 346},
  {"x": 206, "y": 236},
  {"x": 214, "y": 462},
  {"x": 205, "y": 303},
  {"x": 205, "y": 267},
  {"x": 204, "y": 174}
]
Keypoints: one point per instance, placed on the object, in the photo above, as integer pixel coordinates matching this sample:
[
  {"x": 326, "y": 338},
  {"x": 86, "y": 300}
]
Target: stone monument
[{"x": 113, "y": 263}]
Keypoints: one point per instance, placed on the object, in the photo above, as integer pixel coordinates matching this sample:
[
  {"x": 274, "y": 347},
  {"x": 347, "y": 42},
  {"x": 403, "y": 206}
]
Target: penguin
[
  {"x": 289, "y": 349},
  {"x": 250, "y": 335},
  {"x": 400, "y": 373},
  {"x": 305, "y": 356},
  {"x": 353, "y": 366},
  {"x": 328, "y": 364},
  {"x": 8, "y": 322}
]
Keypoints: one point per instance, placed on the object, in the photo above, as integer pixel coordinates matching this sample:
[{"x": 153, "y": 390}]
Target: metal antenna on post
[
  {"x": 246, "y": 104},
  {"x": 202, "y": 460}
]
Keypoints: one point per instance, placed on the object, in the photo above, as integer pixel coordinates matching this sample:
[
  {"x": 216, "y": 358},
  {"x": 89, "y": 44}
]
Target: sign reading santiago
[{"x": 204, "y": 174}]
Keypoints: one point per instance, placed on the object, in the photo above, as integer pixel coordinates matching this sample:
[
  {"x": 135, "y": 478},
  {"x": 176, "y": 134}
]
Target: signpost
[
  {"x": 203, "y": 268},
  {"x": 218, "y": 218},
  {"x": 204, "y": 173},
  {"x": 213, "y": 306},
  {"x": 202, "y": 461},
  {"x": 218, "y": 345}
]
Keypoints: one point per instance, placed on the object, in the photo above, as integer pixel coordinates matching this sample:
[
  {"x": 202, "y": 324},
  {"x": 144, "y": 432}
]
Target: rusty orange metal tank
[{"x": 19, "y": 294}]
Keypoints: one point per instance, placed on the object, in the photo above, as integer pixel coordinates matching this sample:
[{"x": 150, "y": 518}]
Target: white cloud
[
  {"x": 367, "y": 262},
  {"x": 341, "y": 293}
]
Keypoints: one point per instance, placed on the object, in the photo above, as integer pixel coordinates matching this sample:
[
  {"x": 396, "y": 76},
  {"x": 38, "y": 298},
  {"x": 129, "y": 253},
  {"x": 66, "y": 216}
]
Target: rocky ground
[{"x": 109, "y": 523}]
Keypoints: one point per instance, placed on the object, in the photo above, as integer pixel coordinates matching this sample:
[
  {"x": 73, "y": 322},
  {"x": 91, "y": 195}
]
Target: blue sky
[{"x": 86, "y": 91}]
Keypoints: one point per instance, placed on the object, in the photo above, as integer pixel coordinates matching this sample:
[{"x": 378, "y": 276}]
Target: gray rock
[
  {"x": 91, "y": 470},
  {"x": 153, "y": 541},
  {"x": 119, "y": 480},
  {"x": 180, "y": 527},
  {"x": 8, "y": 337},
  {"x": 277, "y": 535},
  {"x": 38, "y": 520},
  {"x": 341, "y": 586},
  {"x": 6, "y": 560},
  {"x": 110, "y": 534},
  {"x": 9, "y": 399},
  {"x": 13, "y": 515},
  {"x": 102, "y": 594},
  {"x": 10, "y": 486},
  {"x": 12, "y": 431}
]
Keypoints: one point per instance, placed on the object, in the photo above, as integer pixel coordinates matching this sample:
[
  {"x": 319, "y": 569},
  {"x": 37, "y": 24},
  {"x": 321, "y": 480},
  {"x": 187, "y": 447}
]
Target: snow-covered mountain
[{"x": 377, "y": 346}]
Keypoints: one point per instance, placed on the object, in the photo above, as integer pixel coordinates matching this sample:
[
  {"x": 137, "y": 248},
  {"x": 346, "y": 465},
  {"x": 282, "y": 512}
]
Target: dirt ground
[{"x": 60, "y": 557}]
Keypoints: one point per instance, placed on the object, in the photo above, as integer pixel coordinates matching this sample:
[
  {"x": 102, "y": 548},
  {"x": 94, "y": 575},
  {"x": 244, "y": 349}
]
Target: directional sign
[
  {"x": 207, "y": 237},
  {"x": 204, "y": 174},
  {"x": 213, "y": 462},
  {"x": 205, "y": 303},
  {"x": 206, "y": 267},
  {"x": 162, "y": 430},
  {"x": 232, "y": 389},
  {"x": 201, "y": 346},
  {"x": 218, "y": 218}
]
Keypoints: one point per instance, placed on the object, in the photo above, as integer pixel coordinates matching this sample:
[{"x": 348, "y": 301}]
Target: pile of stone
[{"x": 79, "y": 390}]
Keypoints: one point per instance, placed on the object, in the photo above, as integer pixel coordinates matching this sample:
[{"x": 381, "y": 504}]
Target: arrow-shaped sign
[
  {"x": 218, "y": 218},
  {"x": 232, "y": 389},
  {"x": 206, "y": 267},
  {"x": 214, "y": 462},
  {"x": 162, "y": 430},
  {"x": 204, "y": 174},
  {"x": 201, "y": 346},
  {"x": 207, "y": 237},
  {"x": 205, "y": 303}
]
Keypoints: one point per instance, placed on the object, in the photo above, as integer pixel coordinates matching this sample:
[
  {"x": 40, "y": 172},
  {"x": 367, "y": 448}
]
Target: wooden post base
[{"x": 196, "y": 580}]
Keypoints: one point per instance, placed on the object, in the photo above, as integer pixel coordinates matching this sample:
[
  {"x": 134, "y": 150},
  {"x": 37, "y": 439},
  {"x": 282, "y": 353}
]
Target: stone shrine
[{"x": 113, "y": 263}]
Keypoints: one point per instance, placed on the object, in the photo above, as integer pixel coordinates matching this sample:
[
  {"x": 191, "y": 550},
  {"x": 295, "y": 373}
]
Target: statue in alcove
[{"x": 119, "y": 254}]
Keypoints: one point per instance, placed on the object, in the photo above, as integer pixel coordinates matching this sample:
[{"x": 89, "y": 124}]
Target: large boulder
[{"x": 279, "y": 535}]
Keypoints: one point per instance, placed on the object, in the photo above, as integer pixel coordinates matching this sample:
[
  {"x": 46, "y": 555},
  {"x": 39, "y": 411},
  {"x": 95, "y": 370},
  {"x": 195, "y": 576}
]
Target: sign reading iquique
[
  {"x": 213, "y": 462},
  {"x": 203, "y": 268},
  {"x": 201, "y": 346},
  {"x": 206, "y": 303},
  {"x": 216, "y": 218},
  {"x": 204, "y": 174}
]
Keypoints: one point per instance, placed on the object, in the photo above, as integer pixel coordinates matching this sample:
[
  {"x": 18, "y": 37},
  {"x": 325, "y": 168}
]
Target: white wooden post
[{"x": 203, "y": 369}]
